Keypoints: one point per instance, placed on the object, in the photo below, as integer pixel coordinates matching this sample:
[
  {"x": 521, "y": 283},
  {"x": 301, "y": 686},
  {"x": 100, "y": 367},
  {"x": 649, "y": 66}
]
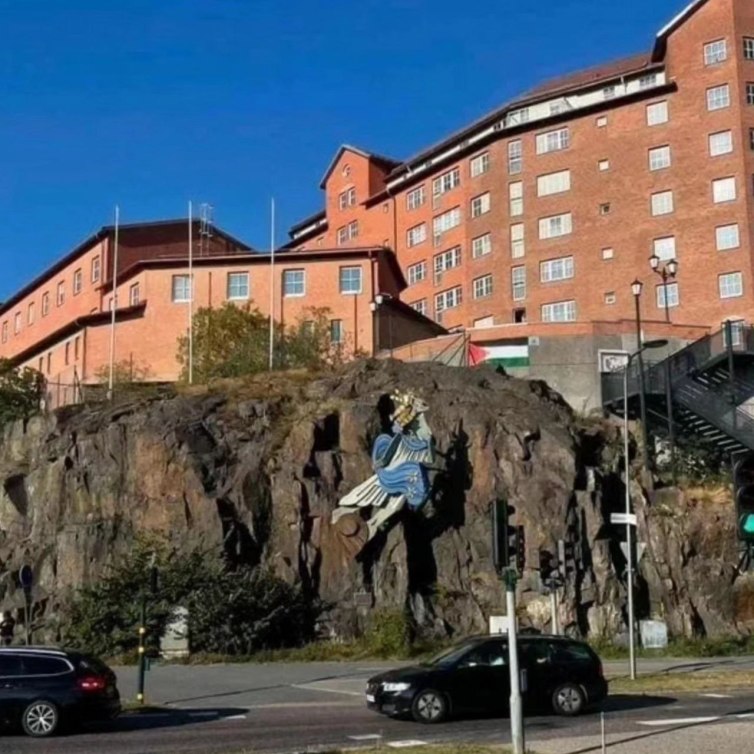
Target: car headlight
[{"x": 393, "y": 687}]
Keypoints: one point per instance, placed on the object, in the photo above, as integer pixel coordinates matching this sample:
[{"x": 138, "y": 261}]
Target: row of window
[
  {"x": 716, "y": 52},
  {"x": 45, "y": 304},
  {"x": 238, "y": 286}
]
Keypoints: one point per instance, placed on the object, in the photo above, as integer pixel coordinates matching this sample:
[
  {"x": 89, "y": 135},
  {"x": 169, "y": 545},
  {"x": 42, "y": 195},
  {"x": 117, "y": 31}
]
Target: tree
[{"x": 21, "y": 391}]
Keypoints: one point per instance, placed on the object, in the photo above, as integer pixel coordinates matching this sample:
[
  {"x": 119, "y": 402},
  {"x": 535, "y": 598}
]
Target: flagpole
[
  {"x": 272, "y": 283},
  {"x": 191, "y": 295},
  {"x": 114, "y": 306}
]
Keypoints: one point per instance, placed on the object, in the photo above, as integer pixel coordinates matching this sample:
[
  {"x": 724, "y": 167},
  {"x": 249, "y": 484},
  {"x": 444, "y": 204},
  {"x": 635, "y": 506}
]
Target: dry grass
[
  {"x": 679, "y": 682},
  {"x": 430, "y": 749}
]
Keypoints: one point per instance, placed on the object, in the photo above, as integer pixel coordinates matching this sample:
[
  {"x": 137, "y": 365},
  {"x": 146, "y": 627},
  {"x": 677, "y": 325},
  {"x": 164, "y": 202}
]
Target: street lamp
[
  {"x": 627, "y": 472},
  {"x": 636, "y": 288},
  {"x": 667, "y": 272}
]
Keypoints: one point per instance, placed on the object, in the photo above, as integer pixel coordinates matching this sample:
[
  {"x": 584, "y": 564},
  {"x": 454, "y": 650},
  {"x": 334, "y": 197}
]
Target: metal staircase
[{"x": 705, "y": 384}]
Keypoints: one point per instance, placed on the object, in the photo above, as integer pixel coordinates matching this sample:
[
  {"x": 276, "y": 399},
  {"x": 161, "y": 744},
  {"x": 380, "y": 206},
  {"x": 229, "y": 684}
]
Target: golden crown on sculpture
[{"x": 405, "y": 407}]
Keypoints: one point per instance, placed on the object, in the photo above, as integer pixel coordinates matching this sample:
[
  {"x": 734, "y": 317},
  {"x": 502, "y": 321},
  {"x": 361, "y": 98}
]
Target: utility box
[
  {"x": 498, "y": 624},
  {"x": 654, "y": 634}
]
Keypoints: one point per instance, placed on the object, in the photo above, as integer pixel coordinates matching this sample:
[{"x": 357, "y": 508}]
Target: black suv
[
  {"x": 559, "y": 674},
  {"x": 43, "y": 688}
]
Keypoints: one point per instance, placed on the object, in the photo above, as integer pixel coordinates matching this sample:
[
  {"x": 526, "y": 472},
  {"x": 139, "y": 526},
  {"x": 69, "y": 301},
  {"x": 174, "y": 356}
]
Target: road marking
[
  {"x": 235, "y": 717},
  {"x": 312, "y": 687},
  {"x": 680, "y": 721},
  {"x": 406, "y": 744},
  {"x": 367, "y": 737},
  {"x": 717, "y": 696},
  {"x": 294, "y": 705},
  {"x": 745, "y": 716}
]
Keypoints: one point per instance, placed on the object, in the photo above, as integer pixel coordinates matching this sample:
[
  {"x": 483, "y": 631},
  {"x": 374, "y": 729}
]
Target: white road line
[
  {"x": 309, "y": 687},
  {"x": 679, "y": 721},
  {"x": 366, "y": 737},
  {"x": 406, "y": 744},
  {"x": 294, "y": 705},
  {"x": 235, "y": 717},
  {"x": 717, "y": 696},
  {"x": 745, "y": 716}
]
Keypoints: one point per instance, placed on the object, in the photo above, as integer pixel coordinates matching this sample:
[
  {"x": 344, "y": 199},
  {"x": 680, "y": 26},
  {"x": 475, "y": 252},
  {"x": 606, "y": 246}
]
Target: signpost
[{"x": 26, "y": 582}]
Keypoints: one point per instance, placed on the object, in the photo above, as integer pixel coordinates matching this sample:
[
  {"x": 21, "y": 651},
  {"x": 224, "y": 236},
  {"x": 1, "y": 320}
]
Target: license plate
[{"x": 371, "y": 698}]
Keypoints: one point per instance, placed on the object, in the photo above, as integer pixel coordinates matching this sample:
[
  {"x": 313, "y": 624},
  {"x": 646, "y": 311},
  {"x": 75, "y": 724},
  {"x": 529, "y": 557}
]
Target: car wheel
[
  {"x": 429, "y": 706},
  {"x": 40, "y": 719},
  {"x": 568, "y": 699}
]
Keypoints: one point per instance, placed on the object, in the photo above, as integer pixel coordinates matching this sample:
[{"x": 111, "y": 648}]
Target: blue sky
[{"x": 150, "y": 103}]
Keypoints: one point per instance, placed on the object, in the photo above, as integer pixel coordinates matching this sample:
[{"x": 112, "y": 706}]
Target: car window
[
  {"x": 89, "y": 664},
  {"x": 10, "y": 665},
  {"x": 452, "y": 655},
  {"x": 37, "y": 665},
  {"x": 572, "y": 652},
  {"x": 535, "y": 652},
  {"x": 492, "y": 654}
]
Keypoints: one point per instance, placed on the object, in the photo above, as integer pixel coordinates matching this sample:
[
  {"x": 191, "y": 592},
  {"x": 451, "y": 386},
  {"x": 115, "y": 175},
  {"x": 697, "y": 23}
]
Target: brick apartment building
[
  {"x": 61, "y": 323},
  {"x": 528, "y": 226}
]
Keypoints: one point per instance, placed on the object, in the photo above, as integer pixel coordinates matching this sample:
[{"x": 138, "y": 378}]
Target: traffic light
[
  {"x": 519, "y": 544},
  {"x": 508, "y": 540},
  {"x": 743, "y": 491},
  {"x": 566, "y": 557},
  {"x": 547, "y": 566}
]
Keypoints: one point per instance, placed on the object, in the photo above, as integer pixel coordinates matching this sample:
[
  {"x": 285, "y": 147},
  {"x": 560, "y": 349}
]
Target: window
[
  {"x": 347, "y": 198},
  {"x": 420, "y": 306},
  {"x": 731, "y": 285},
  {"x": 238, "y": 286},
  {"x": 715, "y": 52},
  {"x": 60, "y": 300},
  {"x": 484, "y": 322},
  {"x": 483, "y": 286},
  {"x": 608, "y": 92},
  {"x": 415, "y": 198},
  {"x": 348, "y": 232},
  {"x": 657, "y": 113},
  {"x": 96, "y": 269},
  {"x": 727, "y": 237},
  {"x": 447, "y": 260},
  {"x": 749, "y": 48},
  {"x": 17, "y": 323},
  {"x": 516, "y": 194},
  {"x": 750, "y": 94},
  {"x": 480, "y": 205},
  {"x": 561, "y": 311},
  {"x": 662, "y": 203},
  {"x": 672, "y": 293},
  {"x": 448, "y": 299},
  {"x": 553, "y": 141},
  {"x": 553, "y": 227},
  {"x": 67, "y": 353},
  {"x": 446, "y": 221},
  {"x": 480, "y": 164},
  {"x": 76, "y": 348},
  {"x": 45, "y": 304},
  {"x": 560, "y": 106},
  {"x": 665, "y": 247},
  {"x": 645, "y": 82},
  {"x": 518, "y": 116},
  {"x": 601, "y": 121},
  {"x": 724, "y": 190},
  {"x": 556, "y": 269},
  {"x": 659, "y": 158},
  {"x": 518, "y": 283},
  {"x": 337, "y": 335},
  {"x": 518, "y": 245},
  {"x": 605, "y": 208},
  {"x": 604, "y": 165},
  {"x": 751, "y": 138},
  {"x": 350, "y": 280},
  {"x": 718, "y": 97},
  {"x": 181, "y": 289},
  {"x": 720, "y": 143},
  {"x": 608, "y": 254},
  {"x": 481, "y": 245},
  {"x": 294, "y": 283},
  {"x": 30, "y": 314},
  {"x": 416, "y": 235},
  {"x": 554, "y": 183},
  {"x": 610, "y": 298},
  {"x": 446, "y": 182},
  {"x": 5, "y": 333},
  {"x": 417, "y": 272},
  {"x": 78, "y": 282},
  {"x": 515, "y": 157}
]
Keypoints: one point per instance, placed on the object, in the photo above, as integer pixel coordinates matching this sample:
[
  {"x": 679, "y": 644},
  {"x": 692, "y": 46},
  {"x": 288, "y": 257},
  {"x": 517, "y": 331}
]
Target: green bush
[{"x": 388, "y": 634}]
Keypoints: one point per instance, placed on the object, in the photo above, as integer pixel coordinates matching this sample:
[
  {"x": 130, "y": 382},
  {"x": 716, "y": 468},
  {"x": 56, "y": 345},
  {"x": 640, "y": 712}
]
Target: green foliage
[
  {"x": 20, "y": 392},
  {"x": 230, "y": 612},
  {"x": 388, "y": 634},
  {"x": 125, "y": 373},
  {"x": 724, "y": 646},
  {"x": 234, "y": 341}
]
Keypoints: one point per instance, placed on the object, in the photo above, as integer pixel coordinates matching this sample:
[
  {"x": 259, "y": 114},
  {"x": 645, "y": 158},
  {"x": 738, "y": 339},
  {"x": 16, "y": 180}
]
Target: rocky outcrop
[{"x": 257, "y": 469}]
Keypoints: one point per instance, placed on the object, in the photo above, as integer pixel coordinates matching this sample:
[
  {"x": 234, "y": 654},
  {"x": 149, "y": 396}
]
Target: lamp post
[
  {"x": 627, "y": 471},
  {"x": 667, "y": 271},
  {"x": 636, "y": 288}
]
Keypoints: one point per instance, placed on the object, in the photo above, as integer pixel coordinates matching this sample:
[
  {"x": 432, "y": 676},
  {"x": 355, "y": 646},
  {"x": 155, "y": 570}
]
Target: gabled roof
[
  {"x": 386, "y": 162},
  {"x": 669, "y": 28},
  {"x": 301, "y": 224}
]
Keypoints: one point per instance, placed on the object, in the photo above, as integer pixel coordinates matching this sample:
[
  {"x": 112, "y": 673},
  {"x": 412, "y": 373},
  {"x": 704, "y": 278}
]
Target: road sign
[
  {"x": 26, "y": 577},
  {"x": 623, "y": 518},
  {"x": 640, "y": 548}
]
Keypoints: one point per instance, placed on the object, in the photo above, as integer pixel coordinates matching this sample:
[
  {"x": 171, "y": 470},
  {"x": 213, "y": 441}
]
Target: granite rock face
[{"x": 258, "y": 470}]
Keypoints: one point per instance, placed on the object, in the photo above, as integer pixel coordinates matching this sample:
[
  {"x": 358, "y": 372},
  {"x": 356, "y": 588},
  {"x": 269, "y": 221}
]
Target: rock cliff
[{"x": 258, "y": 468}]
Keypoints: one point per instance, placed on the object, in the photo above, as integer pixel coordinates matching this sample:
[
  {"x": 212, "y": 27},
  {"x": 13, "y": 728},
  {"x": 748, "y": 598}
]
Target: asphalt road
[{"x": 294, "y": 708}]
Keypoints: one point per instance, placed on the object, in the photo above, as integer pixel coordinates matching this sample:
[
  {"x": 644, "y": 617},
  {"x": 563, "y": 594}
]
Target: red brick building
[{"x": 533, "y": 221}]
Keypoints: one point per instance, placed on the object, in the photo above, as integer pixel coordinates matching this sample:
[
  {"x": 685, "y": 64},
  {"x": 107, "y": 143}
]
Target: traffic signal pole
[{"x": 516, "y": 706}]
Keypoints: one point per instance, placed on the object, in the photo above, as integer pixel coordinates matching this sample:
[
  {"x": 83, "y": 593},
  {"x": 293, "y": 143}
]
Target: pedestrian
[{"x": 7, "y": 626}]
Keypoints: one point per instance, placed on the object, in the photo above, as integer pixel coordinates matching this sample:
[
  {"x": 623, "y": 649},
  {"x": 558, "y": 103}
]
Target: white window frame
[
  {"x": 447, "y": 260},
  {"x": 180, "y": 289},
  {"x": 416, "y": 197},
  {"x": 648, "y": 81},
  {"x": 482, "y": 286},
  {"x": 748, "y": 48},
  {"x": 518, "y": 240},
  {"x": 337, "y": 332},
  {"x": 481, "y": 245},
  {"x": 720, "y": 143},
  {"x": 673, "y": 293},
  {"x": 415, "y": 273},
  {"x": 518, "y": 283},
  {"x": 721, "y": 193},
  {"x": 554, "y": 183},
  {"x": 291, "y": 279},
  {"x": 556, "y": 270},
  {"x": 715, "y": 52},
  {"x": 60, "y": 294},
  {"x": 658, "y": 113},
  {"x": 479, "y": 165},
  {"x": 480, "y": 205},
  {"x": 555, "y": 226},
  {"x": 662, "y": 203},
  {"x": 134, "y": 294},
  {"x": 78, "y": 281},
  {"x": 449, "y": 299},
  {"x": 718, "y": 97},
  {"x": 516, "y": 198},
  {"x": 726, "y": 285},
  {"x": 553, "y": 141},
  {"x": 30, "y": 313},
  {"x": 559, "y": 311},
  {"x": 234, "y": 277},
  {"x": 665, "y": 248},
  {"x": 420, "y": 306},
  {"x": 45, "y": 303},
  {"x": 724, "y": 242},
  {"x": 347, "y": 198},
  {"x": 416, "y": 235},
  {"x": 660, "y": 158},
  {"x": 446, "y": 221},
  {"x": 348, "y": 276},
  {"x": 515, "y": 157},
  {"x": 446, "y": 182}
]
